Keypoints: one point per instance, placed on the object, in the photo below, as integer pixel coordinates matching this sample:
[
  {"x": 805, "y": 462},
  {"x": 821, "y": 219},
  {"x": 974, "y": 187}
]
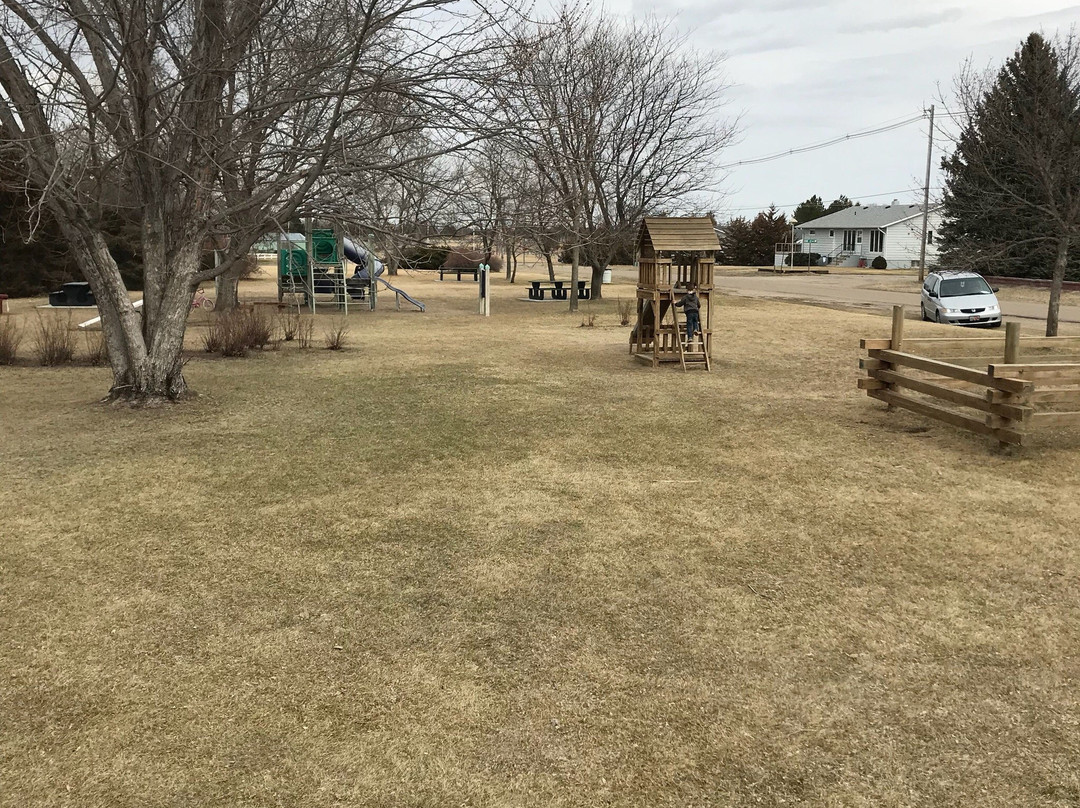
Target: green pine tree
[{"x": 1012, "y": 185}]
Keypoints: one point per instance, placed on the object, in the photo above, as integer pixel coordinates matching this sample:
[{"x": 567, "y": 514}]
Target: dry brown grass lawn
[{"x": 496, "y": 562}]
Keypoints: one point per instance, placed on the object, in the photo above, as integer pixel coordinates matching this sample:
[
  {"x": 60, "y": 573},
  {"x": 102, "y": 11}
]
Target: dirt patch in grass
[{"x": 493, "y": 561}]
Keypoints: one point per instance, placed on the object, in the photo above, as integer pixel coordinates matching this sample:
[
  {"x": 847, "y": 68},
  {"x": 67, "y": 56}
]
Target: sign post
[{"x": 485, "y": 289}]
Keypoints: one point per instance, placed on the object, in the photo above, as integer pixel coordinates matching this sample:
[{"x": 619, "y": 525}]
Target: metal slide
[
  {"x": 403, "y": 293},
  {"x": 366, "y": 261}
]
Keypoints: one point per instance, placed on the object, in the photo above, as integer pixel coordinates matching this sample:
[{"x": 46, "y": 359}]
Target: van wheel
[{"x": 922, "y": 311}]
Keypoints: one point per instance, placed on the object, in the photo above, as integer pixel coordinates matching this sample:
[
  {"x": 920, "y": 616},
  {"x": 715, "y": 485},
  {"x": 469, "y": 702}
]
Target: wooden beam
[
  {"x": 872, "y": 364},
  {"x": 952, "y": 371},
  {"x": 871, "y": 384},
  {"x": 948, "y": 416},
  {"x": 929, "y": 388},
  {"x": 875, "y": 344},
  {"x": 1042, "y": 369},
  {"x": 1029, "y": 342},
  {"x": 1041, "y": 419},
  {"x": 1055, "y": 395}
]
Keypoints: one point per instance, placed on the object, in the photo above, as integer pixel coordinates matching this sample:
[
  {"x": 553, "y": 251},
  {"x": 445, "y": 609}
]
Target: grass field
[{"x": 497, "y": 562}]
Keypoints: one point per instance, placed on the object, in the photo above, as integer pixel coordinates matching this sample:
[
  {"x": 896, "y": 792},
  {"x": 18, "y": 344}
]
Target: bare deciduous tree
[
  {"x": 218, "y": 118},
  {"x": 619, "y": 119}
]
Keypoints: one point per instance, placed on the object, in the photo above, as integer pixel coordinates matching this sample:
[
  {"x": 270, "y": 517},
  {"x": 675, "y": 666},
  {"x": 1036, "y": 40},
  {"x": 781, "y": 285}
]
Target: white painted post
[{"x": 485, "y": 289}]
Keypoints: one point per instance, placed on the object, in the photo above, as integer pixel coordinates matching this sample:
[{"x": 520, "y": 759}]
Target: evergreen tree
[
  {"x": 1012, "y": 185},
  {"x": 752, "y": 243},
  {"x": 812, "y": 208},
  {"x": 843, "y": 203}
]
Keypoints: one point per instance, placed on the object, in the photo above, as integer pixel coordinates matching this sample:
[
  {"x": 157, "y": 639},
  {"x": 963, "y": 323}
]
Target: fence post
[
  {"x": 1012, "y": 343},
  {"x": 897, "y": 328}
]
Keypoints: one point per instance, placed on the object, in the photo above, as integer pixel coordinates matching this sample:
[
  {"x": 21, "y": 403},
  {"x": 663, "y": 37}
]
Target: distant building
[{"x": 856, "y": 235}]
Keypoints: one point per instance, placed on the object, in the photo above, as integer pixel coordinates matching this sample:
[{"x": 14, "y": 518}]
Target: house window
[
  {"x": 929, "y": 236},
  {"x": 877, "y": 241},
  {"x": 858, "y": 237},
  {"x": 832, "y": 233},
  {"x": 812, "y": 232}
]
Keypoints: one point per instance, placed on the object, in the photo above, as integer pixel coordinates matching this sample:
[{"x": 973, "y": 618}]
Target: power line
[
  {"x": 825, "y": 144},
  {"x": 854, "y": 196}
]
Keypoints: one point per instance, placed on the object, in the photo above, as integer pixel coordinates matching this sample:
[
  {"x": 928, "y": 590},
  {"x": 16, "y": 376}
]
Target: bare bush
[
  {"x": 233, "y": 333},
  {"x": 96, "y": 348},
  {"x": 588, "y": 320},
  {"x": 335, "y": 336},
  {"x": 625, "y": 309},
  {"x": 257, "y": 329},
  {"x": 55, "y": 343},
  {"x": 10, "y": 338},
  {"x": 289, "y": 324},
  {"x": 305, "y": 327}
]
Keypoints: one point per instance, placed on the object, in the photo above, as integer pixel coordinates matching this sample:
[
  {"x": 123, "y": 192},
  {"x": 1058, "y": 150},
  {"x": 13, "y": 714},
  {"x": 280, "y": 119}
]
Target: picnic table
[{"x": 560, "y": 290}]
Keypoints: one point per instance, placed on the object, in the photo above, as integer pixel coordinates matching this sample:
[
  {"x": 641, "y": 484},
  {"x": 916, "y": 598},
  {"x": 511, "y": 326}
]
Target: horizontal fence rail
[{"x": 1008, "y": 400}]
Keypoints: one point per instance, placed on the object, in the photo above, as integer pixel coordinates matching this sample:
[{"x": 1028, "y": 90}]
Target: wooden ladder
[{"x": 695, "y": 356}]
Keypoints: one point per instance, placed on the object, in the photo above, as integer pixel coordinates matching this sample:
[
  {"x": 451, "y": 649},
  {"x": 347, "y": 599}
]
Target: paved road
[{"x": 844, "y": 290}]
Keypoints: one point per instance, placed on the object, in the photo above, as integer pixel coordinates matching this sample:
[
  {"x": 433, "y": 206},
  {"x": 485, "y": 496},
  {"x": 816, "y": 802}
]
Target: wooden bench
[{"x": 474, "y": 271}]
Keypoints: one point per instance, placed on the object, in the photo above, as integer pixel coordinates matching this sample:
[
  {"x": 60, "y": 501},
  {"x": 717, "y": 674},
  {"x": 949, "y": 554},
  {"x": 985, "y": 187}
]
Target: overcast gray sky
[{"x": 806, "y": 71}]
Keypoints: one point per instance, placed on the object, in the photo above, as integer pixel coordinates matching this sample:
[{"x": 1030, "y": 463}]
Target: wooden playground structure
[
  {"x": 978, "y": 383},
  {"x": 673, "y": 254}
]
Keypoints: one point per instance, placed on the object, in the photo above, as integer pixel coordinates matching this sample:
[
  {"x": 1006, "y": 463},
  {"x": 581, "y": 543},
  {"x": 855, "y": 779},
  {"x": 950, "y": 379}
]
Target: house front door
[{"x": 849, "y": 241}]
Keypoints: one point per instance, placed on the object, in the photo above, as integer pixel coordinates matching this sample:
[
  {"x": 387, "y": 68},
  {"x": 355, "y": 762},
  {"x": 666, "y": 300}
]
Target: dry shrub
[
  {"x": 97, "y": 350},
  {"x": 625, "y": 309},
  {"x": 257, "y": 327},
  {"x": 305, "y": 327},
  {"x": 55, "y": 339},
  {"x": 232, "y": 333},
  {"x": 588, "y": 320},
  {"x": 470, "y": 259},
  {"x": 289, "y": 324},
  {"x": 335, "y": 336},
  {"x": 10, "y": 338},
  {"x": 213, "y": 338}
]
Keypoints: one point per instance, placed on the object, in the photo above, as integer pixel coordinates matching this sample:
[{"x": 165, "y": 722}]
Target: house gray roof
[{"x": 865, "y": 216}]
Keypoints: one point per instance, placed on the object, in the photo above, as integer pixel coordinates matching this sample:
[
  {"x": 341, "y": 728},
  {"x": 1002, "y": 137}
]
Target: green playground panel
[
  {"x": 297, "y": 267},
  {"x": 324, "y": 245}
]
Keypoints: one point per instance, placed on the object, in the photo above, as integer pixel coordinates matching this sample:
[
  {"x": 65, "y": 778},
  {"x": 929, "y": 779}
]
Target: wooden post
[
  {"x": 1012, "y": 343},
  {"x": 897, "y": 328}
]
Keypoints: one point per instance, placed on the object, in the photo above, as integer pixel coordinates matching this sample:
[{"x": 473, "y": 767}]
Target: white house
[{"x": 863, "y": 232}]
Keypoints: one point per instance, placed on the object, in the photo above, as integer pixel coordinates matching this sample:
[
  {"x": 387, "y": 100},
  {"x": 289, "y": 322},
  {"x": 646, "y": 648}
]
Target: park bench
[
  {"x": 560, "y": 290},
  {"x": 474, "y": 271}
]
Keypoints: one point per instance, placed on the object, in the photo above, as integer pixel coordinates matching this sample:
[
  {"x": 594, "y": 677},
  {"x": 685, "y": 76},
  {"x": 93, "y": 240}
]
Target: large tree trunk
[
  {"x": 509, "y": 263},
  {"x": 550, "y": 266},
  {"x": 226, "y": 291},
  {"x": 597, "y": 282},
  {"x": 1061, "y": 259},
  {"x": 575, "y": 268},
  {"x": 145, "y": 346}
]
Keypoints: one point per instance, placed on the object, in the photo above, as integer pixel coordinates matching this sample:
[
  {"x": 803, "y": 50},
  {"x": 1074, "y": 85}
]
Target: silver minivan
[{"x": 960, "y": 298}]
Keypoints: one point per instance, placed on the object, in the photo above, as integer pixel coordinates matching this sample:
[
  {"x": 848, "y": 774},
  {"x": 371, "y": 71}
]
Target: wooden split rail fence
[{"x": 1009, "y": 400}]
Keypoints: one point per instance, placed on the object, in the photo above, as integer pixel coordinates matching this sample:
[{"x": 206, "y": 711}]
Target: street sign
[{"x": 811, "y": 241}]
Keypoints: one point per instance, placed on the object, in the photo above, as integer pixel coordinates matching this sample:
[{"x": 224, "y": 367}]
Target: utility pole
[{"x": 926, "y": 198}]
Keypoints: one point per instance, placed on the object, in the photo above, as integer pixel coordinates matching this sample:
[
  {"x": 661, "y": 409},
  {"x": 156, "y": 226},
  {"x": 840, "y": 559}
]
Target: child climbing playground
[{"x": 691, "y": 305}]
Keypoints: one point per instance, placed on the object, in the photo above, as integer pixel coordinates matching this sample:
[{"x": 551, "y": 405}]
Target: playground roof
[{"x": 670, "y": 233}]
